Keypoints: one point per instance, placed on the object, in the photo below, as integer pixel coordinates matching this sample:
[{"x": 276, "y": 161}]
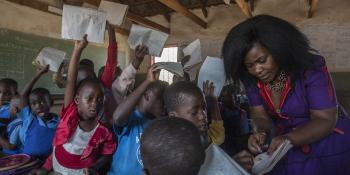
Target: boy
[
  {"x": 130, "y": 117},
  {"x": 185, "y": 100},
  {"x": 171, "y": 146},
  {"x": 34, "y": 137},
  {"x": 8, "y": 89}
]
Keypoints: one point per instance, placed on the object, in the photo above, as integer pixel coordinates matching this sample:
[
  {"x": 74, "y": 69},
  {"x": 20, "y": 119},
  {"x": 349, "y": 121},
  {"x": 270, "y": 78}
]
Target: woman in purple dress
[{"x": 291, "y": 96}]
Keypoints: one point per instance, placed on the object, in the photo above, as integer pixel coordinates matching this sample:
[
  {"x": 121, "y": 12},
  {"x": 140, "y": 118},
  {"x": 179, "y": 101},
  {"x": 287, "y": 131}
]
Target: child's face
[
  {"x": 40, "y": 104},
  {"x": 193, "y": 109},
  {"x": 5, "y": 93},
  {"x": 89, "y": 101}
]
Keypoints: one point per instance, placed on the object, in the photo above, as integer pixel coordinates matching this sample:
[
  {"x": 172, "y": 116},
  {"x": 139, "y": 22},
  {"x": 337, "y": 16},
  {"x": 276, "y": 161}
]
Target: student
[
  {"x": 81, "y": 144},
  {"x": 130, "y": 118},
  {"x": 171, "y": 146},
  {"x": 216, "y": 130},
  {"x": 235, "y": 122},
  {"x": 8, "y": 88},
  {"x": 184, "y": 99},
  {"x": 36, "y": 124}
]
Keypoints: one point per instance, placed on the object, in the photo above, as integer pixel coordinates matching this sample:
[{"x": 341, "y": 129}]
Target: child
[
  {"x": 171, "y": 146},
  {"x": 8, "y": 88},
  {"x": 184, "y": 99},
  {"x": 81, "y": 144},
  {"x": 235, "y": 122},
  {"x": 37, "y": 124},
  {"x": 130, "y": 118}
]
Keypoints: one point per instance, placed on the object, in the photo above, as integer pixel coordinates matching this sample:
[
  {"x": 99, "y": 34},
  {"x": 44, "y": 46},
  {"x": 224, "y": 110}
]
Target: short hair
[
  {"x": 88, "y": 63},
  {"x": 42, "y": 91},
  {"x": 176, "y": 93},
  {"x": 171, "y": 146},
  {"x": 12, "y": 83},
  {"x": 158, "y": 87},
  {"x": 288, "y": 46},
  {"x": 87, "y": 81}
]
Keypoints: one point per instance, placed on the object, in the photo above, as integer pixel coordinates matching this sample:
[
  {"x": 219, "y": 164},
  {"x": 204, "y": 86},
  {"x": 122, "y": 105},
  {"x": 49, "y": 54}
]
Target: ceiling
[{"x": 139, "y": 9}]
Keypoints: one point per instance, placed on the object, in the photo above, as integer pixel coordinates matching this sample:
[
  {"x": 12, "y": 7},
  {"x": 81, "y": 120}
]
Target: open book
[
  {"x": 194, "y": 50},
  {"x": 50, "y": 56},
  {"x": 264, "y": 163},
  {"x": 218, "y": 162},
  {"x": 175, "y": 68}
]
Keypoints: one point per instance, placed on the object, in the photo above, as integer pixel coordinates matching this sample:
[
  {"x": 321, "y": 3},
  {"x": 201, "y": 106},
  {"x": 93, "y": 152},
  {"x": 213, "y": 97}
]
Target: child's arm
[
  {"x": 112, "y": 61},
  {"x": 28, "y": 87},
  {"x": 124, "y": 109},
  {"x": 6, "y": 144},
  {"x": 122, "y": 84},
  {"x": 73, "y": 70},
  {"x": 216, "y": 130}
]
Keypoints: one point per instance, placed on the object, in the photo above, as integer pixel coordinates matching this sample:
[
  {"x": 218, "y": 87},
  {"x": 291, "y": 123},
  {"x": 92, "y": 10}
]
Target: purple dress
[{"x": 330, "y": 155}]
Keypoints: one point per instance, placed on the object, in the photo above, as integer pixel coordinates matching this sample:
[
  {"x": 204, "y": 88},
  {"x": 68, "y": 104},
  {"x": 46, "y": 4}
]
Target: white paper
[
  {"x": 264, "y": 163},
  {"x": 173, "y": 67},
  {"x": 77, "y": 21},
  {"x": 50, "y": 56},
  {"x": 153, "y": 39},
  {"x": 219, "y": 163},
  {"x": 227, "y": 2},
  {"x": 194, "y": 50},
  {"x": 115, "y": 11},
  {"x": 213, "y": 70}
]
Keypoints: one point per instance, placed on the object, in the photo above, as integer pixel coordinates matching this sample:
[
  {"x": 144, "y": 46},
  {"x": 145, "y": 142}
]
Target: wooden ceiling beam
[
  {"x": 175, "y": 5},
  {"x": 242, "y": 4},
  {"x": 45, "y": 8},
  {"x": 140, "y": 2},
  {"x": 95, "y": 3},
  {"x": 146, "y": 22},
  {"x": 203, "y": 4},
  {"x": 251, "y": 5},
  {"x": 312, "y": 9}
]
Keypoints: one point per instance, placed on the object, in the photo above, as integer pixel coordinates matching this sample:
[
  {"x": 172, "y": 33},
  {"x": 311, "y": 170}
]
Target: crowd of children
[{"x": 102, "y": 119}]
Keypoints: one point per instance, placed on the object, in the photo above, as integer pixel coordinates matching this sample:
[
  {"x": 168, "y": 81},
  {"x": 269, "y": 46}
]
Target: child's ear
[{"x": 76, "y": 99}]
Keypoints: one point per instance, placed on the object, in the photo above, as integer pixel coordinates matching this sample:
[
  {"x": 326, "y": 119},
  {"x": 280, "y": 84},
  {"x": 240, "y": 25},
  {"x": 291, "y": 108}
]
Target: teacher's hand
[{"x": 255, "y": 141}]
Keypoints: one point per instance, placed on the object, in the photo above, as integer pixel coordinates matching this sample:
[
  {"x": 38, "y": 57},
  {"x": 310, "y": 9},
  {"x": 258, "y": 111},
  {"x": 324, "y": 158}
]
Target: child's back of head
[
  {"x": 152, "y": 99},
  {"x": 171, "y": 146}
]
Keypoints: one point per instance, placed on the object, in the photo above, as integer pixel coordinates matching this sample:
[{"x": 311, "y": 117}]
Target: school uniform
[{"x": 75, "y": 149}]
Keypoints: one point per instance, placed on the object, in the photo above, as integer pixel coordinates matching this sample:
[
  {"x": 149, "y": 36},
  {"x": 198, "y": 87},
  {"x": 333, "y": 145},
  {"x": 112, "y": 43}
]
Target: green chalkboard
[{"x": 17, "y": 51}]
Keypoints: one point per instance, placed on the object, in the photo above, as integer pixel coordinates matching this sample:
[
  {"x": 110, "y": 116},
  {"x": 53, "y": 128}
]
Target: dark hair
[
  {"x": 287, "y": 45},
  {"x": 157, "y": 86},
  {"x": 88, "y": 81},
  {"x": 171, "y": 146},
  {"x": 87, "y": 62},
  {"x": 42, "y": 91},
  {"x": 176, "y": 93},
  {"x": 12, "y": 83}
]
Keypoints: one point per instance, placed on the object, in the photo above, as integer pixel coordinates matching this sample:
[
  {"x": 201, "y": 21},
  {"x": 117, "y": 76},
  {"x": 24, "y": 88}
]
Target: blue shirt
[
  {"x": 5, "y": 112},
  {"x": 18, "y": 134},
  {"x": 127, "y": 158}
]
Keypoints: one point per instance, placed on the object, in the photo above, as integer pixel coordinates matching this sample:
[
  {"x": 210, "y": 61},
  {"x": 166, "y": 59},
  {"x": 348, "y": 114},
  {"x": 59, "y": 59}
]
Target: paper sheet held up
[
  {"x": 50, "y": 56},
  {"x": 153, "y": 39},
  {"x": 115, "y": 11},
  {"x": 213, "y": 70},
  {"x": 77, "y": 21}
]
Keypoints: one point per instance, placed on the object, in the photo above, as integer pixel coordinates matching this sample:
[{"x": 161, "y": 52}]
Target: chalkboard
[{"x": 18, "y": 49}]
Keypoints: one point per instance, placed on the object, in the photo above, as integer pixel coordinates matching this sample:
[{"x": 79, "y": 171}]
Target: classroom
[{"x": 179, "y": 87}]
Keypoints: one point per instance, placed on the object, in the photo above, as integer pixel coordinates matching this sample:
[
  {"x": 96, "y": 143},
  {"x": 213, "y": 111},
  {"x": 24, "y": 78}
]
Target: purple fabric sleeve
[
  {"x": 319, "y": 88},
  {"x": 254, "y": 97}
]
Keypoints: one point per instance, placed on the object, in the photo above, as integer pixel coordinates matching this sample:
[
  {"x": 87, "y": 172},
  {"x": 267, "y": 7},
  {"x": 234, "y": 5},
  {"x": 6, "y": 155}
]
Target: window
[{"x": 169, "y": 55}]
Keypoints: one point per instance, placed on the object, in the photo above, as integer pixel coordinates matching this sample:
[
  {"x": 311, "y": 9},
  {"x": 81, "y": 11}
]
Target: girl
[{"x": 81, "y": 144}]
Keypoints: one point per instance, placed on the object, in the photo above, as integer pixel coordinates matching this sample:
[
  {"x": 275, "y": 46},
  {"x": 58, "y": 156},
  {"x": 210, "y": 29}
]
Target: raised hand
[{"x": 80, "y": 45}]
